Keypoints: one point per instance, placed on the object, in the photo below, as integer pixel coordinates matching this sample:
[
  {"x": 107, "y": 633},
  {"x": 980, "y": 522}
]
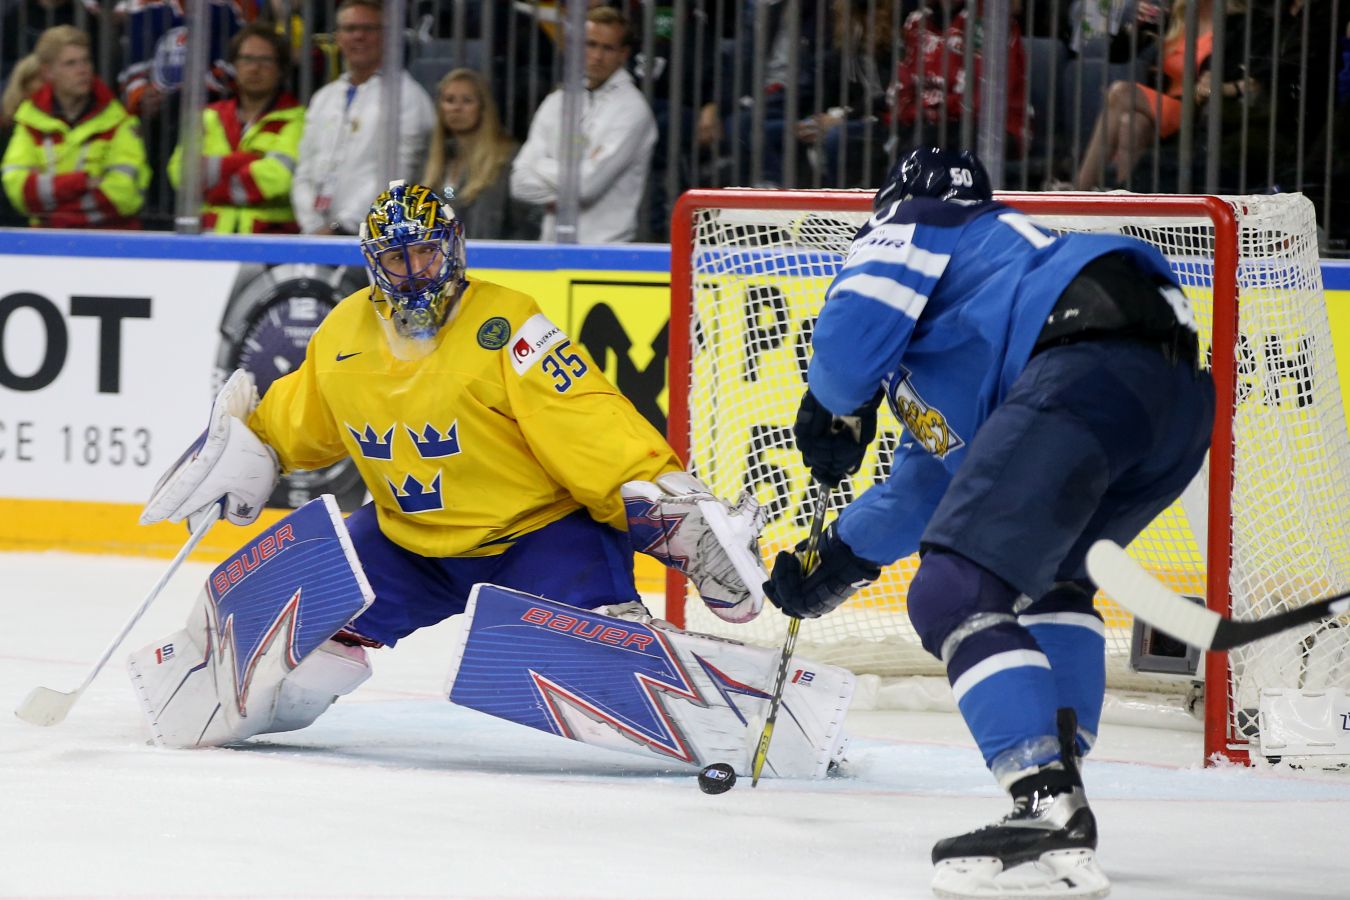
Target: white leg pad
[
  {"x": 187, "y": 691},
  {"x": 326, "y": 674}
]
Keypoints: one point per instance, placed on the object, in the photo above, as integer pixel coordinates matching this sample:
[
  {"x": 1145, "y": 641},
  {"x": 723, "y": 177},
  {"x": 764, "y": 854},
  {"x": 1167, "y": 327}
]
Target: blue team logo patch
[{"x": 494, "y": 333}]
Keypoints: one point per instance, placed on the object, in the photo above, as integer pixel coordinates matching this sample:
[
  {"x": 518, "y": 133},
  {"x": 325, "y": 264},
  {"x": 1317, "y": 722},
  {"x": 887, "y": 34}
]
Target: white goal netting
[{"x": 759, "y": 264}]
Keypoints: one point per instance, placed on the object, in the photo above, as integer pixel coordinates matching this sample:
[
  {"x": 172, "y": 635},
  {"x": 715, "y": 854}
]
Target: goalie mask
[{"x": 414, "y": 250}]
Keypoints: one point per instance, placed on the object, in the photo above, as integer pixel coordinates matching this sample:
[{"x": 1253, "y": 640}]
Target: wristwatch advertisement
[{"x": 271, "y": 315}]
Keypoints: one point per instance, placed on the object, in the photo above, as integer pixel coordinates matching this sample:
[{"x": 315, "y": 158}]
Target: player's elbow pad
[{"x": 227, "y": 464}]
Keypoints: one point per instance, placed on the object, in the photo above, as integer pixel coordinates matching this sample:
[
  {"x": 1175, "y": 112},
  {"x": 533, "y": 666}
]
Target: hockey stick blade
[
  {"x": 44, "y": 706},
  {"x": 1130, "y": 585}
]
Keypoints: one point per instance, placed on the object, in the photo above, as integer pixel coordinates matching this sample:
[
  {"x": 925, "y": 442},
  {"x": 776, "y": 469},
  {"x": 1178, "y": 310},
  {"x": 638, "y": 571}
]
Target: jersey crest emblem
[
  {"x": 431, "y": 445},
  {"x": 372, "y": 444},
  {"x": 493, "y": 334},
  {"x": 926, "y": 424}
]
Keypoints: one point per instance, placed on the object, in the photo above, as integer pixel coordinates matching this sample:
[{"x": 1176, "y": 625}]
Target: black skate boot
[{"x": 1044, "y": 848}]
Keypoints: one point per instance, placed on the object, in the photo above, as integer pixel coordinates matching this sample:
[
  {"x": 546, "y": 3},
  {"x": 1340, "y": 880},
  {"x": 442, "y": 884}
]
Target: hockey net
[{"x": 1263, "y": 528}]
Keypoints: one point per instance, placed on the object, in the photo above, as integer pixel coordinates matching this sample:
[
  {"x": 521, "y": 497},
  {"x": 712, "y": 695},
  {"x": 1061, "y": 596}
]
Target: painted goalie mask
[{"x": 414, "y": 250}]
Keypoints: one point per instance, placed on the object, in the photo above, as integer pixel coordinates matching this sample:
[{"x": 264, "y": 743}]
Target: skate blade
[{"x": 1057, "y": 874}]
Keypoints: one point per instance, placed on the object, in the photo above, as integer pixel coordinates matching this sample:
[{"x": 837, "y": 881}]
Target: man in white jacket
[
  {"x": 618, "y": 133},
  {"x": 339, "y": 167}
]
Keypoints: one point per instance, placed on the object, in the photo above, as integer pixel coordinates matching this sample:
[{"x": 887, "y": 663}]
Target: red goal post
[{"x": 748, "y": 271}]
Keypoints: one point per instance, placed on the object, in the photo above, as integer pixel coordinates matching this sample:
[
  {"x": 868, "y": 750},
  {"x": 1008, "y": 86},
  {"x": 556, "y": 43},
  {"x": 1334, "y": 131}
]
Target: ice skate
[{"x": 1046, "y": 847}]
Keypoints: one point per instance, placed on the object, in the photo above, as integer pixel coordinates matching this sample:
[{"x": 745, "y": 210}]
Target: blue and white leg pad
[
  {"x": 643, "y": 688},
  {"x": 256, "y": 655}
]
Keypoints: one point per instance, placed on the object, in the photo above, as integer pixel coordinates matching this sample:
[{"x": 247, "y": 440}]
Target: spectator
[
  {"x": 618, "y": 133},
  {"x": 779, "y": 79},
  {"x": 250, "y": 142},
  {"x": 339, "y": 168},
  {"x": 471, "y": 156},
  {"x": 76, "y": 159},
  {"x": 24, "y": 79},
  {"x": 931, "y": 82},
  {"x": 856, "y": 89},
  {"x": 24, "y": 21},
  {"x": 700, "y": 129},
  {"x": 155, "y": 37},
  {"x": 1109, "y": 27},
  {"x": 1267, "y": 85},
  {"x": 1135, "y": 113}
]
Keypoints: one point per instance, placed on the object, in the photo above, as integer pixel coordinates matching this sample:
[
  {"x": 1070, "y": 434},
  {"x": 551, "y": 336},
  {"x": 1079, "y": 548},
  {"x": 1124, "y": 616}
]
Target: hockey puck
[{"x": 717, "y": 778}]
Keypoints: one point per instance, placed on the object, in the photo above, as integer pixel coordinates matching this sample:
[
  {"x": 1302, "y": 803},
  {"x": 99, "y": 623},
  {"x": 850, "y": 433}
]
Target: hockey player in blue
[{"x": 1051, "y": 392}]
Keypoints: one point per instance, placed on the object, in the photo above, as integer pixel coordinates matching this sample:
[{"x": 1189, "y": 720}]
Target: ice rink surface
[{"x": 396, "y": 793}]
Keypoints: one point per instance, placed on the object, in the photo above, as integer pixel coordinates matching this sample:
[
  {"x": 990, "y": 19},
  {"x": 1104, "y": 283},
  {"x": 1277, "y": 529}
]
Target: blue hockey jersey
[{"x": 941, "y": 304}]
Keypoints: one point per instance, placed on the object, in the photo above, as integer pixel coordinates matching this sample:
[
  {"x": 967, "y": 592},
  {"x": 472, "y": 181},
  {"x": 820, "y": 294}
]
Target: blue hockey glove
[
  {"x": 833, "y": 446},
  {"x": 836, "y": 577}
]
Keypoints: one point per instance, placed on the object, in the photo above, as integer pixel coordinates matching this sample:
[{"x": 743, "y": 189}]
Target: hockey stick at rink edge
[
  {"x": 44, "y": 706},
  {"x": 1134, "y": 588},
  {"x": 790, "y": 644}
]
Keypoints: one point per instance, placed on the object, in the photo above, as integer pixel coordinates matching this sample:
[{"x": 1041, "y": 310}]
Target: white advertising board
[{"x": 106, "y": 371}]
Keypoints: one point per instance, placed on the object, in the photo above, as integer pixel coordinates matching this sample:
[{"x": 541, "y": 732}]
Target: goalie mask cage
[{"x": 1261, "y": 530}]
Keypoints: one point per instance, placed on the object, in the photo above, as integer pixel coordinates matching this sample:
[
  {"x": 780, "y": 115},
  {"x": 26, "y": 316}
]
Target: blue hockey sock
[
  {"x": 1071, "y": 633},
  {"x": 1007, "y": 695},
  {"x": 1002, "y": 681},
  {"x": 1077, "y": 656}
]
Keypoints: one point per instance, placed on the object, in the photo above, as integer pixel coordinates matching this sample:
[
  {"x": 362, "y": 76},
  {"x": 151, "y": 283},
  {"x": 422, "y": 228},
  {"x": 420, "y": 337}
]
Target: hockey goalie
[{"x": 509, "y": 480}]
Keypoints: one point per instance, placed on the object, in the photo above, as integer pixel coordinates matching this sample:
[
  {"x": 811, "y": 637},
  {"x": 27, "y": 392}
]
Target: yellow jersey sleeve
[{"x": 583, "y": 432}]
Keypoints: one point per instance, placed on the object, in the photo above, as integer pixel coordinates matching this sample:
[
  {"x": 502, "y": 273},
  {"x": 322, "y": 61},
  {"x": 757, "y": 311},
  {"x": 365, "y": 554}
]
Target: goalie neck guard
[{"x": 414, "y": 251}]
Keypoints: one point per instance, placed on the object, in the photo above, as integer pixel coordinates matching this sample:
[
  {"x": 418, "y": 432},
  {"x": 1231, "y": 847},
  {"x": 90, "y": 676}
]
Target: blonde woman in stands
[
  {"x": 470, "y": 157},
  {"x": 1135, "y": 112}
]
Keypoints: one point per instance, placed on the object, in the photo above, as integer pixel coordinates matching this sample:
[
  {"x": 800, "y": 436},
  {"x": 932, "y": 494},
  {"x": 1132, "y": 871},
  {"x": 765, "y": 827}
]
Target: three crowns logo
[
  {"x": 413, "y": 497},
  {"x": 374, "y": 446},
  {"x": 431, "y": 445}
]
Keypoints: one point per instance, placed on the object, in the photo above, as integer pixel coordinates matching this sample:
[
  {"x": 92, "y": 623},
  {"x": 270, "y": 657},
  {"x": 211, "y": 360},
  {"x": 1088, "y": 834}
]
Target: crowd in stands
[{"x": 741, "y": 93}]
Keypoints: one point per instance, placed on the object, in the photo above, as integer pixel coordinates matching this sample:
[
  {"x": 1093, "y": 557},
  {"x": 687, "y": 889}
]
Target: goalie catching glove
[
  {"x": 677, "y": 520},
  {"x": 838, "y": 575},
  {"x": 228, "y": 464}
]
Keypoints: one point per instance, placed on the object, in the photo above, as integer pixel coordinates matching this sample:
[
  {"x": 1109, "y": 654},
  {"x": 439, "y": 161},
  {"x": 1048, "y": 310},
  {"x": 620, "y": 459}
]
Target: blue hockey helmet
[
  {"x": 937, "y": 173},
  {"x": 414, "y": 250}
]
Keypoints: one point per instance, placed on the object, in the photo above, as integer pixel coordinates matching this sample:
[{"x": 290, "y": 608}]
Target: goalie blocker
[{"x": 642, "y": 687}]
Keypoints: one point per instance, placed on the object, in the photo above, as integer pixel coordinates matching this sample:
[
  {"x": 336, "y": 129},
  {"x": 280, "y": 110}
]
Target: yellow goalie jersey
[{"x": 506, "y": 427}]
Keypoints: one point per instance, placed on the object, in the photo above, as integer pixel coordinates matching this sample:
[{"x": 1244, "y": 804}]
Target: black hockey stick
[
  {"x": 1130, "y": 585},
  {"x": 794, "y": 625}
]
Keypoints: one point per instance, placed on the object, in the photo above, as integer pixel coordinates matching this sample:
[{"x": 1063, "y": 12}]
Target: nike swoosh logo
[{"x": 342, "y": 356}]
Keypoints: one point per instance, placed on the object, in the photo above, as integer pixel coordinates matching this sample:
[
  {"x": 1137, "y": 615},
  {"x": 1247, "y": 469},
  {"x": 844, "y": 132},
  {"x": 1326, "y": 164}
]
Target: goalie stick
[
  {"x": 790, "y": 644},
  {"x": 44, "y": 706},
  {"x": 1130, "y": 585}
]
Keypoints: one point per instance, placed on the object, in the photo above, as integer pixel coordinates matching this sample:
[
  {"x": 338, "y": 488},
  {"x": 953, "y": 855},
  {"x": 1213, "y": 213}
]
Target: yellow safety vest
[
  {"x": 91, "y": 174},
  {"x": 246, "y": 174}
]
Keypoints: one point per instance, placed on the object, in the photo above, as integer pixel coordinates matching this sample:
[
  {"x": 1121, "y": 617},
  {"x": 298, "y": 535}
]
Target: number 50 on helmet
[{"x": 414, "y": 250}]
